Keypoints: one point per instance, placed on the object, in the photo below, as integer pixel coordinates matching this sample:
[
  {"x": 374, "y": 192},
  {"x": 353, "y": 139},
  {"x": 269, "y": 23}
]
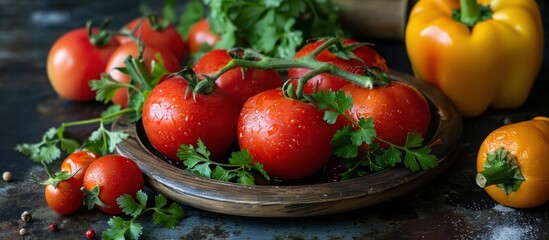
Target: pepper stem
[
  {"x": 501, "y": 169},
  {"x": 470, "y": 12},
  {"x": 497, "y": 174}
]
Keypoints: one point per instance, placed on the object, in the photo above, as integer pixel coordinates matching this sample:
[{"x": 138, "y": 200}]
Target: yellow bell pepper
[
  {"x": 513, "y": 163},
  {"x": 479, "y": 54}
]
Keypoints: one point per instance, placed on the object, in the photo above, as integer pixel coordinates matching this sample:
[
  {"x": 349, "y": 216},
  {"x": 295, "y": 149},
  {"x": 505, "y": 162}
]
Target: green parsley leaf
[
  {"x": 197, "y": 160},
  {"x": 342, "y": 143},
  {"x": 129, "y": 229},
  {"x": 109, "y": 139},
  {"x": 130, "y": 206},
  {"x": 117, "y": 229},
  {"x": 46, "y": 150},
  {"x": 105, "y": 88},
  {"x": 365, "y": 133},
  {"x": 166, "y": 217}
]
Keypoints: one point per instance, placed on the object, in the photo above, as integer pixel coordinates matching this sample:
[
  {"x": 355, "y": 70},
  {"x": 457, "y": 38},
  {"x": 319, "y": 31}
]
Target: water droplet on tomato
[{"x": 272, "y": 129}]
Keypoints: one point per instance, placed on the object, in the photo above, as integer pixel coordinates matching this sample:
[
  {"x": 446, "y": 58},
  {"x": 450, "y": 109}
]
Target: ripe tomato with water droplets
[
  {"x": 367, "y": 55},
  {"x": 238, "y": 85},
  {"x": 66, "y": 197},
  {"x": 289, "y": 137},
  {"x": 78, "y": 162},
  {"x": 115, "y": 175},
  {"x": 396, "y": 109},
  {"x": 170, "y": 118}
]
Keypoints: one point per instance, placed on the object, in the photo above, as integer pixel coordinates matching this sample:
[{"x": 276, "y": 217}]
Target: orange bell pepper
[
  {"x": 479, "y": 54},
  {"x": 513, "y": 163}
]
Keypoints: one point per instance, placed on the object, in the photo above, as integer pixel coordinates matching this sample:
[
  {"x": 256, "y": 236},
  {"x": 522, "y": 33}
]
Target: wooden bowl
[{"x": 299, "y": 200}]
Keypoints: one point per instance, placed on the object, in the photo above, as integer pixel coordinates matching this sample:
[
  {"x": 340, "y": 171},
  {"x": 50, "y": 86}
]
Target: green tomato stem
[
  {"x": 99, "y": 119},
  {"x": 103, "y": 37},
  {"x": 267, "y": 63}
]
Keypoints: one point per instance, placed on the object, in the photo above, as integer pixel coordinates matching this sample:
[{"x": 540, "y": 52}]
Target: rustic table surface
[{"x": 451, "y": 207}]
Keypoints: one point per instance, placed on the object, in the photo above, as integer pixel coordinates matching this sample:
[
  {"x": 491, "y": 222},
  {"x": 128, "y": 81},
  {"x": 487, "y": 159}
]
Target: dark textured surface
[{"x": 451, "y": 207}]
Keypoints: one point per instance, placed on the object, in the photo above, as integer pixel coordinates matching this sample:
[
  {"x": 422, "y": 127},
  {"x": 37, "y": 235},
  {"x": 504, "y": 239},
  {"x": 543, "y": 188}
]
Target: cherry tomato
[
  {"x": 396, "y": 109},
  {"x": 66, "y": 197},
  {"x": 171, "y": 119},
  {"x": 73, "y": 61},
  {"x": 131, "y": 49},
  {"x": 115, "y": 175},
  {"x": 289, "y": 137},
  {"x": 168, "y": 37},
  {"x": 78, "y": 161},
  {"x": 200, "y": 34},
  {"x": 240, "y": 87},
  {"x": 326, "y": 81}
]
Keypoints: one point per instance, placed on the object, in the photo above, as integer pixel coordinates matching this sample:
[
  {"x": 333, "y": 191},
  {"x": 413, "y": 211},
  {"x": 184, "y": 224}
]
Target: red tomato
[
  {"x": 168, "y": 38},
  {"x": 326, "y": 81},
  {"x": 171, "y": 119},
  {"x": 73, "y": 61},
  {"x": 200, "y": 34},
  {"x": 233, "y": 82},
  {"x": 289, "y": 137},
  {"x": 78, "y": 161},
  {"x": 115, "y": 175},
  {"x": 66, "y": 198},
  {"x": 131, "y": 49},
  {"x": 396, "y": 109}
]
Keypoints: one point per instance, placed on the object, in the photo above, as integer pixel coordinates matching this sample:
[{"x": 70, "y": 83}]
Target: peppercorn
[
  {"x": 26, "y": 216},
  {"x": 7, "y": 176}
]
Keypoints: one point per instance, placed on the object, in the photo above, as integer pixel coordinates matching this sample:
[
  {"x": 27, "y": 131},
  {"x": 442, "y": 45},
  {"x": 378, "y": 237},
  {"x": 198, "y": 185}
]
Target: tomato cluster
[
  {"x": 83, "y": 54},
  {"x": 87, "y": 170},
  {"x": 288, "y": 136}
]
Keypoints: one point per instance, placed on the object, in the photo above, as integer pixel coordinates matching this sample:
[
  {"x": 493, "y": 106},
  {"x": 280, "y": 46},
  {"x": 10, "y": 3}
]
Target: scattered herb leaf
[
  {"x": 238, "y": 169},
  {"x": 164, "y": 216}
]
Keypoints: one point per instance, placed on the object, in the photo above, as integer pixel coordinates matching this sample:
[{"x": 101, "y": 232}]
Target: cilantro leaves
[
  {"x": 238, "y": 169},
  {"x": 350, "y": 140},
  {"x": 274, "y": 27},
  {"x": 101, "y": 141},
  {"x": 163, "y": 215}
]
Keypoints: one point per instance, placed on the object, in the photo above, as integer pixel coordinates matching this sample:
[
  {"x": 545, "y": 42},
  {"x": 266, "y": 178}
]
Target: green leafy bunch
[{"x": 273, "y": 27}]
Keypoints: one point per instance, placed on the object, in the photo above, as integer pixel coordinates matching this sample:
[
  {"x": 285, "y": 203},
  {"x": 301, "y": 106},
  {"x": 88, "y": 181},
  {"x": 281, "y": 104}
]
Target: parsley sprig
[
  {"x": 163, "y": 215},
  {"x": 101, "y": 140},
  {"x": 349, "y": 140},
  {"x": 238, "y": 169}
]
